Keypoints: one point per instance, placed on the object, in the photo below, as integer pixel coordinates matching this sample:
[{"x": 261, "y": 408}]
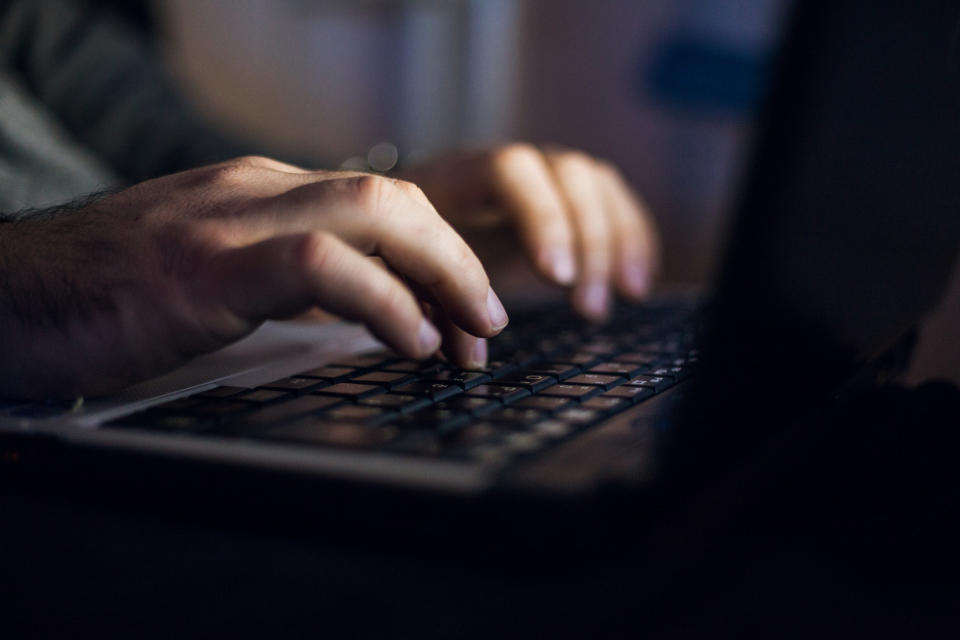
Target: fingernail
[
  {"x": 429, "y": 338},
  {"x": 636, "y": 277},
  {"x": 498, "y": 315},
  {"x": 561, "y": 266},
  {"x": 595, "y": 299},
  {"x": 478, "y": 357}
]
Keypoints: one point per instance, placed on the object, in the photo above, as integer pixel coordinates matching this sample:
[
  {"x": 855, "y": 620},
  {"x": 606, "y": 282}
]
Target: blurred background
[{"x": 663, "y": 88}]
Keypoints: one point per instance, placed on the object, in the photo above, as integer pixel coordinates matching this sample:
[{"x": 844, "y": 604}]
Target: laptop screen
[
  {"x": 848, "y": 220},
  {"x": 851, "y": 214}
]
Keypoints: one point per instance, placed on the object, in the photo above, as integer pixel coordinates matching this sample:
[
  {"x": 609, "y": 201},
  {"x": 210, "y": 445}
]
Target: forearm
[{"x": 31, "y": 237}]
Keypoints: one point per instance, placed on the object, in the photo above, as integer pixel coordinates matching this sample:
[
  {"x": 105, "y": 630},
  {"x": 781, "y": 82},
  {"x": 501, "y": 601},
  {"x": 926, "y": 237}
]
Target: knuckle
[
  {"x": 371, "y": 192},
  {"x": 410, "y": 189},
  {"x": 250, "y": 160},
  {"x": 574, "y": 161},
  {"x": 317, "y": 252},
  {"x": 230, "y": 175},
  {"x": 515, "y": 153},
  {"x": 381, "y": 197}
]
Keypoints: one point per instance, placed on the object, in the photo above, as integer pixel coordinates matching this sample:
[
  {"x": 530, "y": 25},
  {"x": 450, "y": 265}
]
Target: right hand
[{"x": 139, "y": 282}]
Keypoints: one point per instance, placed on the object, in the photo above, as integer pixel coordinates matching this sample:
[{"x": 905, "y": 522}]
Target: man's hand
[
  {"x": 580, "y": 223},
  {"x": 138, "y": 282}
]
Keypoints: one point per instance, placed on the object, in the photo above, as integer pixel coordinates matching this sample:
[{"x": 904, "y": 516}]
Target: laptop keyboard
[{"x": 549, "y": 376}]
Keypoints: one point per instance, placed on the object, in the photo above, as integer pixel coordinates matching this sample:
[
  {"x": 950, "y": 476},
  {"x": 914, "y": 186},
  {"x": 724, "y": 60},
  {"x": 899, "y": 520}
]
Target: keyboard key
[
  {"x": 559, "y": 370},
  {"x": 434, "y": 390},
  {"x": 657, "y": 383},
  {"x": 578, "y": 416},
  {"x": 351, "y": 390},
  {"x": 544, "y": 403},
  {"x": 516, "y": 417},
  {"x": 464, "y": 379},
  {"x": 677, "y": 373},
  {"x": 533, "y": 381},
  {"x": 504, "y": 393},
  {"x": 498, "y": 368},
  {"x": 358, "y": 413},
  {"x": 294, "y": 383},
  {"x": 629, "y": 392},
  {"x": 420, "y": 367},
  {"x": 607, "y": 382},
  {"x": 638, "y": 357},
  {"x": 386, "y": 378},
  {"x": 400, "y": 402},
  {"x": 329, "y": 373},
  {"x": 573, "y": 391},
  {"x": 606, "y": 404},
  {"x": 625, "y": 369},
  {"x": 474, "y": 406}
]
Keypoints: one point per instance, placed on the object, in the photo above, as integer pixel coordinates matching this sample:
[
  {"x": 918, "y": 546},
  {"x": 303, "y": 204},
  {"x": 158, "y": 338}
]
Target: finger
[
  {"x": 576, "y": 177},
  {"x": 635, "y": 253},
  {"x": 460, "y": 348},
  {"x": 285, "y": 275},
  {"x": 256, "y": 176},
  {"x": 520, "y": 179},
  {"x": 264, "y": 162},
  {"x": 384, "y": 217}
]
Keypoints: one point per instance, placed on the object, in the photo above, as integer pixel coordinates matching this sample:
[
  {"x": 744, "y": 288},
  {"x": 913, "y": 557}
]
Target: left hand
[{"x": 579, "y": 222}]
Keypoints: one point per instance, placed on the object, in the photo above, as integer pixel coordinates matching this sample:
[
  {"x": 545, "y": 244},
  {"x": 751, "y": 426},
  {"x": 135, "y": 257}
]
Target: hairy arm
[
  {"x": 28, "y": 297},
  {"x": 102, "y": 294}
]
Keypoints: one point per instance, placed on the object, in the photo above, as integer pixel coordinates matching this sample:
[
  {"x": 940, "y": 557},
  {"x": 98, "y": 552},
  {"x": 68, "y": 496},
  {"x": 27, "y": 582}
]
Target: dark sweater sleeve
[{"x": 100, "y": 78}]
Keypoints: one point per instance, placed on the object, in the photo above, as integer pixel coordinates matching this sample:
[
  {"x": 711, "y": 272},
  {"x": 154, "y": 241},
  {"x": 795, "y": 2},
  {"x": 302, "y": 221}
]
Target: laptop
[{"x": 842, "y": 238}]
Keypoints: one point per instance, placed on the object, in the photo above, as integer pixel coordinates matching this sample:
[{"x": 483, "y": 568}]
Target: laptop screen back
[{"x": 848, "y": 220}]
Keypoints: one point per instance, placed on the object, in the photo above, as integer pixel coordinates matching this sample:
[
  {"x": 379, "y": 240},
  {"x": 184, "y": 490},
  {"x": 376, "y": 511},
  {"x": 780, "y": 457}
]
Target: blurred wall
[{"x": 326, "y": 79}]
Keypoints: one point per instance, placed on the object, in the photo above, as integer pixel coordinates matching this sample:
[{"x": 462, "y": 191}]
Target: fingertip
[
  {"x": 592, "y": 300},
  {"x": 429, "y": 338},
  {"x": 636, "y": 280},
  {"x": 495, "y": 312},
  {"x": 478, "y": 354},
  {"x": 559, "y": 265}
]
